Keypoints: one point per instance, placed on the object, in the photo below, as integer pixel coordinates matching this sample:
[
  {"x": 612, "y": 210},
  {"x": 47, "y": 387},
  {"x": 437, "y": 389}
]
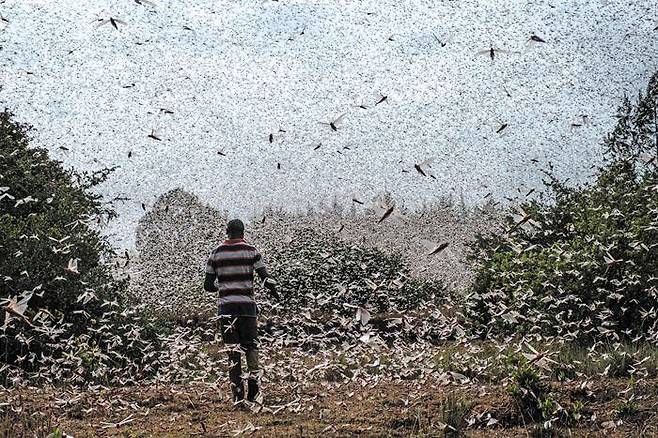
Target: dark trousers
[{"x": 240, "y": 333}]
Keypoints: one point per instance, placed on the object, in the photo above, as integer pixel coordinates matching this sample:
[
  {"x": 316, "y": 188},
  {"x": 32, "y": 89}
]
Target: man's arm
[
  {"x": 259, "y": 266},
  {"x": 209, "y": 282},
  {"x": 262, "y": 273},
  {"x": 261, "y": 270}
]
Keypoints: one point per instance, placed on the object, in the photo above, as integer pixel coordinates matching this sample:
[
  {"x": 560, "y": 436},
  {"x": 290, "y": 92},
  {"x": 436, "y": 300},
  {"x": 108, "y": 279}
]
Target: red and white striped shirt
[{"x": 234, "y": 263}]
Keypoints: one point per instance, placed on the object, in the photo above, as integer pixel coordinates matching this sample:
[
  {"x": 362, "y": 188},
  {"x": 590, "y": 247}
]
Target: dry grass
[{"x": 387, "y": 409}]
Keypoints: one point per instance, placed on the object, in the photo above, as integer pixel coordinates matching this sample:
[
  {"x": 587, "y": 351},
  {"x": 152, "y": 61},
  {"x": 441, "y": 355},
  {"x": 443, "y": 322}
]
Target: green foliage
[
  {"x": 535, "y": 400},
  {"x": 548, "y": 408},
  {"x": 326, "y": 279},
  {"x": 627, "y": 408},
  {"x": 19, "y": 424},
  {"x": 44, "y": 222},
  {"x": 316, "y": 263},
  {"x": 454, "y": 413},
  {"x": 580, "y": 262},
  {"x": 47, "y": 218},
  {"x": 529, "y": 390},
  {"x": 57, "y": 433},
  {"x": 576, "y": 411}
]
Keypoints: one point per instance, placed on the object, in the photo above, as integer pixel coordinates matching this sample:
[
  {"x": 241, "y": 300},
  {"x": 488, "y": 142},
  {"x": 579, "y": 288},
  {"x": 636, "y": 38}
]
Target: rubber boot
[
  {"x": 252, "y": 389},
  {"x": 235, "y": 376},
  {"x": 238, "y": 392}
]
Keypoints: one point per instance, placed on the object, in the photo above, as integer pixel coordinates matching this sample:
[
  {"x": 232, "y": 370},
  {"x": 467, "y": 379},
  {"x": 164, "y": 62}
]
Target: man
[{"x": 233, "y": 264}]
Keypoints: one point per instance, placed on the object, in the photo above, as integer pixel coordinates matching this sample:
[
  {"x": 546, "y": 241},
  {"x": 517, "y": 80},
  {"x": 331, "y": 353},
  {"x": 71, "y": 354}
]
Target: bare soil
[{"x": 403, "y": 408}]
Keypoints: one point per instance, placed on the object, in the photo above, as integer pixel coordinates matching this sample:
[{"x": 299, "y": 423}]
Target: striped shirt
[{"x": 234, "y": 262}]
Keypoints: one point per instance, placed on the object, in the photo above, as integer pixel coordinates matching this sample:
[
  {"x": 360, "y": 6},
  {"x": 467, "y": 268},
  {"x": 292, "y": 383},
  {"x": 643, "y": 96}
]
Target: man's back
[{"x": 233, "y": 264}]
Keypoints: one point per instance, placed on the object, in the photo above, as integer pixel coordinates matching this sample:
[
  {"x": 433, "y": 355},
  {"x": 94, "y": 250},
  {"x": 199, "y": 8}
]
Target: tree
[
  {"x": 581, "y": 262},
  {"x": 56, "y": 285}
]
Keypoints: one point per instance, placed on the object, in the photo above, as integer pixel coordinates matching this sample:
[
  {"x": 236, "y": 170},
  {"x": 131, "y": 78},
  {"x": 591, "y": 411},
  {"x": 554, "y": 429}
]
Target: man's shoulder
[{"x": 240, "y": 246}]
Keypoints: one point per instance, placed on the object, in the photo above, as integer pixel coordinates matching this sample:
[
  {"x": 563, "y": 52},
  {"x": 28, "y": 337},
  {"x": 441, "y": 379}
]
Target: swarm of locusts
[{"x": 562, "y": 288}]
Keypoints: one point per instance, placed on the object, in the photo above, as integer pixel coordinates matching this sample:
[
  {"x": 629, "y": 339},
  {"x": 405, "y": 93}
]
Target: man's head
[{"x": 235, "y": 229}]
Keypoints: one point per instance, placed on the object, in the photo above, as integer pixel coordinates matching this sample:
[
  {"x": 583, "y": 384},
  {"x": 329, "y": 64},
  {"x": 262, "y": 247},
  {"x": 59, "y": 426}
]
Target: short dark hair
[{"x": 235, "y": 228}]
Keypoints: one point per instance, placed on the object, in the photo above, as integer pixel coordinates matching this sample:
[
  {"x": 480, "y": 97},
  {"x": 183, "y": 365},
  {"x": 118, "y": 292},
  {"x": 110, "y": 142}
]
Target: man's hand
[
  {"x": 271, "y": 287},
  {"x": 209, "y": 283}
]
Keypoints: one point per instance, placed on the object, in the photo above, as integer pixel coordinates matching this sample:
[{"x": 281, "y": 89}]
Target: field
[
  {"x": 411, "y": 372},
  {"x": 390, "y": 408}
]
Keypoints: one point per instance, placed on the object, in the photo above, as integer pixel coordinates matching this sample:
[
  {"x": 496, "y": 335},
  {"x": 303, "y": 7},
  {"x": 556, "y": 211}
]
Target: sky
[{"x": 237, "y": 94}]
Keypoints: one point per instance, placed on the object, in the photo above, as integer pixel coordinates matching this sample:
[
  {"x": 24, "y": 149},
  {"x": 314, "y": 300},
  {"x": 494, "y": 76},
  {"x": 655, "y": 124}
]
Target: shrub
[
  {"x": 627, "y": 408},
  {"x": 454, "y": 413},
  {"x": 580, "y": 262},
  {"x": 314, "y": 266},
  {"x": 529, "y": 390},
  {"x": 325, "y": 279},
  {"x": 48, "y": 217}
]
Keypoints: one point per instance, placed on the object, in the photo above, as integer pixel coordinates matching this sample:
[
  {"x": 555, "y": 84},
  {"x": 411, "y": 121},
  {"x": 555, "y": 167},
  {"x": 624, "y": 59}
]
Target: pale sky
[{"x": 233, "y": 72}]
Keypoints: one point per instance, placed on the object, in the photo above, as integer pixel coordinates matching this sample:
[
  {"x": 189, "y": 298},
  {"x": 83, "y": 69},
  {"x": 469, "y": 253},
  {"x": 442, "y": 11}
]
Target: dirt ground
[{"x": 404, "y": 408}]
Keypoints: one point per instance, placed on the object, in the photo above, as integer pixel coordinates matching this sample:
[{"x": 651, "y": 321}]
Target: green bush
[
  {"x": 627, "y": 408},
  {"x": 48, "y": 217},
  {"x": 580, "y": 262},
  {"x": 529, "y": 390},
  {"x": 453, "y": 414},
  {"x": 325, "y": 279},
  {"x": 45, "y": 217},
  {"x": 316, "y": 269}
]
